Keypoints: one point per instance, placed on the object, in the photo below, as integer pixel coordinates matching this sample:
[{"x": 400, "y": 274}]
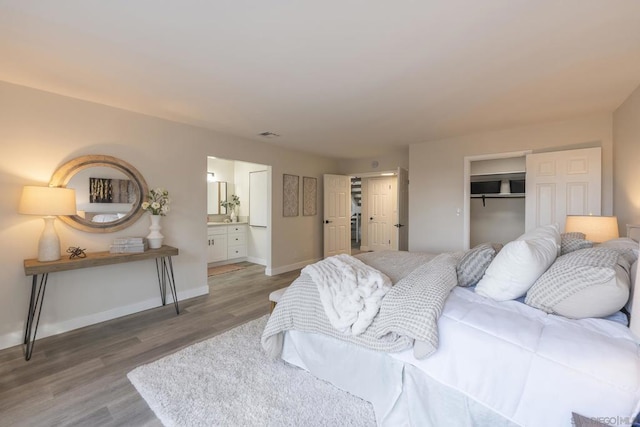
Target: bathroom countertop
[{"x": 213, "y": 224}]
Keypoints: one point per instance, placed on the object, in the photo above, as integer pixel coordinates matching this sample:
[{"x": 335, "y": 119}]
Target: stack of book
[{"x": 128, "y": 245}]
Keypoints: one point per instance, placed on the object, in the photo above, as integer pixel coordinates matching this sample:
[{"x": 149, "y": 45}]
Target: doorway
[
  {"x": 248, "y": 239},
  {"x": 378, "y": 211},
  {"x": 498, "y": 214}
]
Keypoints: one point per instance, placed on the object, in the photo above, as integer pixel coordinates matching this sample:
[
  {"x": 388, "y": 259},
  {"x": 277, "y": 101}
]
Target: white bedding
[
  {"x": 499, "y": 363},
  {"x": 351, "y": 291},
  {"x": 531, "y": 367}
]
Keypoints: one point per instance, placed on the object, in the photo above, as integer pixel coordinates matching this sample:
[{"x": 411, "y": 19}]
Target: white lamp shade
[
  {"x": 47, "y": 201},
  {"x": 596, "y": 228}
]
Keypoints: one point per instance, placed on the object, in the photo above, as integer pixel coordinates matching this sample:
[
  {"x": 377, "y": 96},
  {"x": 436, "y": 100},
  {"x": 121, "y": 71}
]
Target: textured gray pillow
[
  {"x": 573, "y": 235},
  {"x": 474, "y": 263},
  {"x": 591, "y": 282},
  {"x": 573, "y": 241}
]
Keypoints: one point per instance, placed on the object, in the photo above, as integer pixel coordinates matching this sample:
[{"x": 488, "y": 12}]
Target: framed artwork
[
  {"x": 309, "y": 196},
  {"x": 108, "y": 190},
  {"x": 290, "y": 195}
]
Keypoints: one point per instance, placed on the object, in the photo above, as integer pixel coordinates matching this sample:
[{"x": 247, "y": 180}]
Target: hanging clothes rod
[{"x": 484, "y": 197}]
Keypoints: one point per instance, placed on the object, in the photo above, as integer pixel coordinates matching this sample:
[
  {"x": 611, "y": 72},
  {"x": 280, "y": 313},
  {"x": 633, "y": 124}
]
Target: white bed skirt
[{"x": 400, "y": 393}]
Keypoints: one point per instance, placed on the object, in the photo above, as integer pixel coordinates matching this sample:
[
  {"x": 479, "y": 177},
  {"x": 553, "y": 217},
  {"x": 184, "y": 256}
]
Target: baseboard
[
  {"x": 45, "y": 330},
  {"x": 290, "y": 267}
]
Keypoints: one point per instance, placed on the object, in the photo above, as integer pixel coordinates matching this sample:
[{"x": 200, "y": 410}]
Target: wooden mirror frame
[{"x": 64, "y": 173}]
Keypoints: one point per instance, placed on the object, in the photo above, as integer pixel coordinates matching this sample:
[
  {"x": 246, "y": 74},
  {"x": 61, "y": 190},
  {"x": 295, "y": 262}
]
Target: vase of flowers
[
  {"x": 230, "y": 205},
  {"x": 157, "y": 204}
]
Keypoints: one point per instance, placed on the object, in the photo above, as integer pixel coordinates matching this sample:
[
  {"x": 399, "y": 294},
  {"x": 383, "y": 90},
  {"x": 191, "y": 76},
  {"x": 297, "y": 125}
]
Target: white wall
[
  {"x": 436, "y": 172},
  {"x": 224, "y": 170},
  {"x": 626, "y": 161},
  {"x": 498, "y": 221},
  {"x": 258, "y": 243},
  {"x": 40, "y": 131},
  {"x": 389, "y": 161}
]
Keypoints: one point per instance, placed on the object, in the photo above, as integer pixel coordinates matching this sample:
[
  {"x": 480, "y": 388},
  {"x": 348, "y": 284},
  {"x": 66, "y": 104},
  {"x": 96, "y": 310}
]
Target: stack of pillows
[{"x": 558, "y": 273}]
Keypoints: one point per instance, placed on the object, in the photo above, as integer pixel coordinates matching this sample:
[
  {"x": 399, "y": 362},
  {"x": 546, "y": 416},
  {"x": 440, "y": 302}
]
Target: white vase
[
  {"x": 233, "y": 216},
  {"x": 154, "y": 237}
]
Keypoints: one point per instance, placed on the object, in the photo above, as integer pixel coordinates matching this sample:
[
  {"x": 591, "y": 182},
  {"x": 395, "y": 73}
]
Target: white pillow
[
  {"x": 551, "y": 231},
  {"x": 519, "y": 264}
]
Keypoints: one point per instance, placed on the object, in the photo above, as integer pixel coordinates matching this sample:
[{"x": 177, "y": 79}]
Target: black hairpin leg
[
  {"x": 35, "y": 308},
  {"x": 164, "y": 268}
]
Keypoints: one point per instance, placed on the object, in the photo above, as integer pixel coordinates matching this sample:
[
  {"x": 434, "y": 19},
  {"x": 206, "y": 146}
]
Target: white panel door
[
  {"x": 337, "y": 215},
  {"x": 562, "y": 183},
  {"x": 381, "y": 208},
  {"x": 402, "y": 221}
]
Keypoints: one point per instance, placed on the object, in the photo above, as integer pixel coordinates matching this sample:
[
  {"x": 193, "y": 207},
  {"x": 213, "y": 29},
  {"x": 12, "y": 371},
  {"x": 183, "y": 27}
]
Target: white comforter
[
  {"x": 351, "y": 291},
  {"x": 533, "y": 368}
]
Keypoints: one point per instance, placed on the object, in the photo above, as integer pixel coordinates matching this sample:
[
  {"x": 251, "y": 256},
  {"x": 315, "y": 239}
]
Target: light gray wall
[
  {"x": 390, "y": 160},
  {"x": 40, "y": 131},
  {"x": 498, "y": 221},
  {"x": 626, "y": 161},
  {"x": 436, "y": 172}
]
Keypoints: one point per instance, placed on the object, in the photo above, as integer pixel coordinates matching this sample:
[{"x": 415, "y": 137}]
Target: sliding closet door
[{"x": 562, "y": 183}]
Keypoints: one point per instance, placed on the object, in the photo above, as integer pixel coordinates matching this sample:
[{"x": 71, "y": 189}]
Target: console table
[{"x": 35, "y": 268}]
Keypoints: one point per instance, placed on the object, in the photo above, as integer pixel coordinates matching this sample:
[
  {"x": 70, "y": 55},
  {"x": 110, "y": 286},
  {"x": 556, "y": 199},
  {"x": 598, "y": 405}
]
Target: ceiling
[{"x": 340, "y": 78}]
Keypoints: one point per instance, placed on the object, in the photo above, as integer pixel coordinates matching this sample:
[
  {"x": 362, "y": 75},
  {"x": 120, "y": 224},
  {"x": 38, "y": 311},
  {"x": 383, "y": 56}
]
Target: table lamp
[
  {"x": 48, "y": 202},
  {"x": 597, "y": 229}
]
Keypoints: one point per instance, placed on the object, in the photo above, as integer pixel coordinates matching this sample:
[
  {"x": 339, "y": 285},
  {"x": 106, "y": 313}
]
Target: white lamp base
[{"x": 49, "y": 244}]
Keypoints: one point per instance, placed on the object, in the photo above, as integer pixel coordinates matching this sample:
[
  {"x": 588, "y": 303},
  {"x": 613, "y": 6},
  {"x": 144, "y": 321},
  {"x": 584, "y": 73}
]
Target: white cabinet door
[
  {"x": 562, "y": 183},
  {"x": 217, "y": 247}
]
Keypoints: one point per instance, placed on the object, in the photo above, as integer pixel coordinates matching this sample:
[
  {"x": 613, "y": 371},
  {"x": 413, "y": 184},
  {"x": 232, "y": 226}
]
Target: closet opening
[{"x": 494, "y": 198}]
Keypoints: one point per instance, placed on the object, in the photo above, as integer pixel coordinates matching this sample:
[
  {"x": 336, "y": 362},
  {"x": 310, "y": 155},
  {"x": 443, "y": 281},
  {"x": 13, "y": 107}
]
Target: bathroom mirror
[
  {"x": 109, "y": 192},
  {"x": 216, "y": 192}
]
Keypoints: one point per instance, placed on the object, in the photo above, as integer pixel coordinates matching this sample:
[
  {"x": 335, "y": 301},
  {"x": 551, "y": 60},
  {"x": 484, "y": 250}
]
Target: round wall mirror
[{"x": 109, "y": 192}]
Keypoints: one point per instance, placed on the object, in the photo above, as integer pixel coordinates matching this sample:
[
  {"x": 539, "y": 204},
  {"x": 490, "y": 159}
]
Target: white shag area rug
[{"x": 228, "y": 381}]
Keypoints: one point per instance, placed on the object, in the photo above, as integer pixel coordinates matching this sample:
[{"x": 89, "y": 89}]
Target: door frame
[
  {"x": 365, "y": 175},
  {"x": 466, "y": 203},
  {"x": 268, "y": 260}
]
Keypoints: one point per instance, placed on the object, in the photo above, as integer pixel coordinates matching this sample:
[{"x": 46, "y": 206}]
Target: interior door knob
[
  {"x": 327, "y": 221},
  {"x": 371, "y": 218}
]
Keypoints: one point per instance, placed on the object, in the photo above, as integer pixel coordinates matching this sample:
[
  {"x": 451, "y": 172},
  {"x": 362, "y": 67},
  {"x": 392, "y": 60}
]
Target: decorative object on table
[
  {"x": 309, "y": 196},
  {"x": 290, "y": 195},
  {"x": 157, "y": 204},
  {"x": 230, "y": 205},
  {"x": 48, "y": 202},
  {"x": 76, "y": 252},
  {"x": 154, "y": 237},
  {"x": 129, "y": 245},
  {"x": 597, "y": 229}
]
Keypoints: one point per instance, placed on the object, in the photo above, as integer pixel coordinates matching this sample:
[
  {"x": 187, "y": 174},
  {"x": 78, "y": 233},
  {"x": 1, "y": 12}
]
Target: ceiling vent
[{"x": 268, "y": 134}]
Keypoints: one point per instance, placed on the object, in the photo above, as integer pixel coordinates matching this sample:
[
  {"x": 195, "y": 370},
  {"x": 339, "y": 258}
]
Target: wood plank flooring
[{"x": 79, "y": 378}]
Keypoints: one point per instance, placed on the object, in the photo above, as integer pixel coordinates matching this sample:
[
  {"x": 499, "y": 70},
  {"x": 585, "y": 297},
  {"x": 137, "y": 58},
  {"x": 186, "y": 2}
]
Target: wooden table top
[{"x": 94, "y": 259}]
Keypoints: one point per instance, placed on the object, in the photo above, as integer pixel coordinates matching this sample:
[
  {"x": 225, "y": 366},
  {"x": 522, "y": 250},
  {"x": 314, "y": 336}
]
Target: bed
[{"x": 499, "y": 358}]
